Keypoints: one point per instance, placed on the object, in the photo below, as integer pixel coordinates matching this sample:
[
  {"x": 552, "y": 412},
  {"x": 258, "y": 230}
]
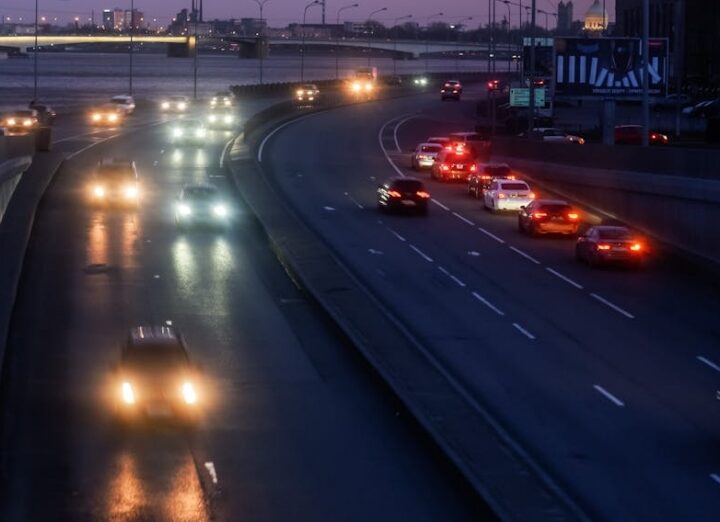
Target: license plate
[
  {"x": 408, "y": 202},
  {"x": 620, "y": 249},
  {"x": 513, "y": 195},
  {"x": 158, "y": 410},
  {"x": 459, "y": 166}
]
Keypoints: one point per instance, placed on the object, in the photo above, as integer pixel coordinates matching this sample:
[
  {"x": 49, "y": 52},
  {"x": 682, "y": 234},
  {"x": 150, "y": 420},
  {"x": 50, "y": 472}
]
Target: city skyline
[{"x": 283, "y": 12}]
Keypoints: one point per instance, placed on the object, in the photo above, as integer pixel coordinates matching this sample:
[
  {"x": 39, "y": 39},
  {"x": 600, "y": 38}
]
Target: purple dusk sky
[{"x": 282, "y": 12}]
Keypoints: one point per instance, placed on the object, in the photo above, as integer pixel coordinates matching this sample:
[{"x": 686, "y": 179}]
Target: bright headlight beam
[
  {"x": 128, "y": 395},
  {"x": 184, "y": 209},
  {"x": 188, "y": 393},
  {"x": 220, "y": 210}
]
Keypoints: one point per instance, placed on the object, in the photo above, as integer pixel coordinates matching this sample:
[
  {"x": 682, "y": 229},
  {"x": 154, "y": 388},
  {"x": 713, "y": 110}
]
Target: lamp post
[
  {"x": 197, "y": 53},
  {"x": 302, "y": 50},
  {"x": 369, "y": 19},
  {"x": 645, "y": 72},
  {"x": 457, "y": 40},
  {"x": 427, "y": 36},
  {"x": 261, "y": 49},
  {"x": 395, "y": 21},
  {"x": 35, "y": 56},
  {"x": 337, "y": 59},
  {"x": 132, "y": 24}
]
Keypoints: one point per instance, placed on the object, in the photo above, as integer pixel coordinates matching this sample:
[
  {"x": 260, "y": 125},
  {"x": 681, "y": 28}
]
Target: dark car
[
  {"x": 155, "y": 378},
  {"x": 46, "y": 115},
  {"x": 307, "y": 94},
  {"x": 453, "y": 165},
  {"x": 610, "y": 244},
  {"x": 115, "y": 182},
  {"x": 201, "y": 204},
  {"x": 549, "y": 216},
  {"x": 403, "y": 194},
  {"x": 632, "y": 135},
  {"x": 480, "y": 180},
  {"x": 451, "y": 89},
  {"x": 19, "y": 123},
  {"x": 478, "y": 142}
]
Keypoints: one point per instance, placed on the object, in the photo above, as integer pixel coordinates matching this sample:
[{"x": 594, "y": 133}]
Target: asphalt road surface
[
  {"x": 607, "y": 377},
  {"x": 296, "y": 426}
]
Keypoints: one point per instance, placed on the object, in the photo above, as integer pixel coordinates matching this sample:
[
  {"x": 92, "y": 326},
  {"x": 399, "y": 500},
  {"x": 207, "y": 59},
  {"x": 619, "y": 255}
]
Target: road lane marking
[
  {"x": 440, "y": 204},
  {"x": 473, "y": 253},
  {"x": 613, "y": 306},
  {"x": 463, "y": 218},
  {"x": 422, "y": 254},
  {"x": 210, "y": 467},
  {"x": 715, "y": 477},
  {"x": 609, "y": 396},
  {"x": 709, "y": 363},
  {"x": 564, "y": 278},
  {"x": 168, "y": 322},
  {"x": 224, "y": 151},
  {"x": 457, "y": 281},
  {"x": 88, "y": 147},
  {"x": 277, "y": 129},
  {"x": 525, "y": 255},
  {"x": 401, "y": 238},
  {"x": 490, "y": 234},
  {"x": 524, "y": 331},
  {"x": 329, "y": 209},
  {"x": 382, "y": 145},
  {"x": 375, "y": 252},
  {"x": 358, "y": 204},
  {"x": 395, "y": 131},
  {"x": 488, "y": 304}
]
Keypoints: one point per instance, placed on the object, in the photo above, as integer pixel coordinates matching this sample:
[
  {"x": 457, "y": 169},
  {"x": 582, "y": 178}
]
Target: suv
[
  {"x": 125, "y": 103},
  {"x": 452, "y": 165},
  {"x": 451, "y": 89},
  {"x": 478, "y": 142},
  {"x": 155, "y": 378},
  {"x": 115, "y": 181}
]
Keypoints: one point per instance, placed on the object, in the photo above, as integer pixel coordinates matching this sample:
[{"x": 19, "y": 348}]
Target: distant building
[
  {"x": 596, "y": 18},
  {"x": 252, "y": 26},
  {"x": 113, "y": 19},
  {"x": 134, "y": 19},
  {"x": 564, "y": 17}
]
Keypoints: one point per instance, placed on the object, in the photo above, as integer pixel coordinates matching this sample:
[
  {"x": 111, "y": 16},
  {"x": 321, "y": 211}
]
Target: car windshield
[
  {"x": 407, "y": 185},
  {"x": 514, "y": 186},
  {"x": 21, "y": 114},
  {"x": 115, "y": 171},
  {"x": 308, "y": 87},
  {"x": 553, "y": 132},
  {"x": 160, "y": 355},
  {"x": 614, "y": 233},
  {"x": 200, "y": 193}
]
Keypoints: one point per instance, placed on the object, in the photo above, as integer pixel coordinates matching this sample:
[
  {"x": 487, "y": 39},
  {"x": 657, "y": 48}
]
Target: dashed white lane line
[
  {"x": 277, "y": 129},
  {"x": 564, "y": 278},
  {"x": 421, "y": 253},
  {"x": 401, "y": 238},
  {"x": 708, "y": 362},
  {"x": 715, "y": 477},
  {"x": 490, "y": 234},
  {"x": 464, "y": 219},
  {"x": 525, "y": 255},
  {"x": 609, "y": 396},
  {"x": 357, "y": 203},
  {"x": 488, "y": 304},
  {"x": 210, "y": 467},
  {"x": 613, "y": 306},
  {"x": 455, "y": 279},
  {"x": 440, "y": 204},
  {"x": 524, "y": 331}
]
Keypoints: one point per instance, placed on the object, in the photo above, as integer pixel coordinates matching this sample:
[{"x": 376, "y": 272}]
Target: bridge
[{"x": 185, "y": 43}]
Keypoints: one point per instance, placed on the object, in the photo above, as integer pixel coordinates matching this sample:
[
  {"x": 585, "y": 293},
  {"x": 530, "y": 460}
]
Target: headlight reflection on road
[
  {"x": 125, "y": 497},
  {"x": 201, "y": 158},
  {"x": 177, "y": 157}
]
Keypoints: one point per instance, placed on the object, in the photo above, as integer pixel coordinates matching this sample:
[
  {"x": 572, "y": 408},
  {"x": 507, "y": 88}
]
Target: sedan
[
  {"x": 179, "y": 104},
  {"x": 201, "y": 204},
  {"x": 610, "y": 244},
  {"x": 406, "y": 194},
  {"x": 507, "y": 194},
  {"x": 424, "y": 155},
  {"x": 451, "y": 165},
  {"x": 191, "y": 132},
  {"x": 554, "y": 135},
  {"x": 548, "y": 216},
  {"x": 221, "y": 118},
  {"x": 106, "y": 115},
  {"x": 451, "y": 89},
  {"x": 632, "y": 135},
  {"x": 115, "y": 182},
  {"x": 19, "y": 123},
  {"x": 307, "y": 94}
]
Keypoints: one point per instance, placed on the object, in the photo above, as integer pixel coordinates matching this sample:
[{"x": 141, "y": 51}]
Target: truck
[{"x": 363, "y": 82}]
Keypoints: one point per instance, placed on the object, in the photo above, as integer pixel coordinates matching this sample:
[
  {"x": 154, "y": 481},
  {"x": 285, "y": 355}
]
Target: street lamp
[
  {"x": 261, "y": 4},
  {"x": 302, "y": 51},
  {"x": 337, "y": 59},
  {"x": 395, "y": 21},
  {"x": 35, "y": 56},
  {"x": 427, "y": 35},
  {"x": 369, "y": 19},
  {"x": 132, "y": 24},
  {"x": 457, "y": 40}
]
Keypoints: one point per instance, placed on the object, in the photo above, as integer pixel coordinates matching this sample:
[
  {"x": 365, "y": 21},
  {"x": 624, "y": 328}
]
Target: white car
[
  {"x": 424, "y": 155},
  {"x": 507, "y": 194},
  {"x": 175, "y": 104},
  {"x": 556, "y": 135},
  {"x": 124, "y": 103}
]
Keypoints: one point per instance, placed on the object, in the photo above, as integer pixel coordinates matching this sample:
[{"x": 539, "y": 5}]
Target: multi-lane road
[
  {"x": 606, "y": 377},
  {"x": 296, "y": 426}
]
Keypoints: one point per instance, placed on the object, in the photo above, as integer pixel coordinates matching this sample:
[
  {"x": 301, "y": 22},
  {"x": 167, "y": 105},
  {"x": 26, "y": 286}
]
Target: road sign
[
  {"x": 521, "y": 97},
  {"x": 608, "y": 67}
]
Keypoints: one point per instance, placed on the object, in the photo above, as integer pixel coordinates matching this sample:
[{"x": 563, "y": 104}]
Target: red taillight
[
  {"x": 394, "y": 194},
  {"x": 423, "y": 194},
  {"x": 512, "y": 176},
  {"x": 444, "y": 167},
  {"x": 636, "y": 247},
  {"x": 603, "y": 246},
  {"x": 531, "y": 195},
  {"x": 485, "y": 177},
  {"x": 473, "y": 168},
  {"x": 539, "y": 215},
  {"x": 501, "y": 195},
  {"x": 572, "y": 215}
]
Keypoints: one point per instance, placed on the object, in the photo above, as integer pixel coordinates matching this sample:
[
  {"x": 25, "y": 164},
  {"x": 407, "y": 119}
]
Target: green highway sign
[{"x": 521, "y": 97}]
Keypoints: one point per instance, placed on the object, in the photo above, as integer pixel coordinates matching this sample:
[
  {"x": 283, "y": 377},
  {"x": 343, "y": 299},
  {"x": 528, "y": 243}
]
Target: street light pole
[
  {"x": 395, "y": 21},
  {"x": 457, "y": 40},
  {"x": 261, "y": 49},
  {"x": 337, "y": 58},
  {"x": 197, "y": 55},
  {"x": 369, "y": 19},
  {"x": 531, "y": 109},
  {"x": 645, "y": 72},
  {"x": 35, "y": 56},
  {"x": 427, "y": 36},
  {"x": 132, "y": 23},
  {"x": 302, "y": 50}
]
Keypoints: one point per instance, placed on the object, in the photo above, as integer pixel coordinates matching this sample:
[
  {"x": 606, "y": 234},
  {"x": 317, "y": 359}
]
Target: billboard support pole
[
  {"x": 531, "y": 108},
  {"x": 645, "y": 73}
]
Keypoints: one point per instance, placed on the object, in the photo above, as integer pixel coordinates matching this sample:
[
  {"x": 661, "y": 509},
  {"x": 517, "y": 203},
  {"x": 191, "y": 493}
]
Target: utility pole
[
  {"x": 531, "y": 109},
  {"x": 302, "y": 54},
  {"x": 197, "y": 53},
  {"x": 132, "y": 24},
  {"x": 323, "y": 11},
  {"x": 261, "y": 40},
  {"x": 35, "y": 55},
  {"x": 337, "y": 58},
  {"x": 645, "y": 75}
]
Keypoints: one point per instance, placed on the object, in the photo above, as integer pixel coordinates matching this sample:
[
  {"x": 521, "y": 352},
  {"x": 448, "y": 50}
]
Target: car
[
  {"x": 19, "y": 123},
  {"x": 222, "y": 99},
  {"x": 424, "y": 155},
  {"x": 451, "y": 89},
  {"x": 477, "y": 141},
  {"x": 442, "y": 140},
  {"x": 548, "y": 216},
  {"x": 671, "y": 102},
  {"x": 45, "y": 114},
  {"x": 221, "y": 118},
  {"x": 554, "y": 135},
  {"x": 407, "y": 194},
  {"x": 699, "y": 109},
  {"x": 307, "y": 94},
  {"x": 124, "y": 103},
  {"x": 193, "y": 132},
  {"x": 107, "y": 115},
  {"x": 201, "y": 204},
  {"x": 453, "y": 165},
  {"x": 480, "y": 180},
  {"x": 604, "y": 244},
  {"x": 632, "y": 135},
  {"x": 394, "y": 80},
  {"x": 115, "y": 182},
  {"x": 177, "y": 104},
  {"x": 420, "y": 81},
  {"x": 155, "y": 379},
  {"x": 507, "y": 194}
]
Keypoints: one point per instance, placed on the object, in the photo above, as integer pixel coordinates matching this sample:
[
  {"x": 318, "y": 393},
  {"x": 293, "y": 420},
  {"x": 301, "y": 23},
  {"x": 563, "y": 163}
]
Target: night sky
[{"x": 282, "y": 12}]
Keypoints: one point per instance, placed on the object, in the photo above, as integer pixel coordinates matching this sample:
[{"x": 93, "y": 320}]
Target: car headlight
[
  {"x": 184, "y": 209},
  {"x": 227, "y": 103},
  {"x": 182, "y": 106},
  {"x": 27, "y": 123},
  {"x": 212, "y": 118},
  {"x": 356, "y": 87},
  {"x": 96, "y": 116},
  {"x": 11, "y": 121},
  {"x": 228, "y": 118},
  {"x": 112, "y": 117},
  {"x": 200, "y": 133},
  {"x": 300, "y": 92},
  {"x": 188, "y": 393},
  {"x": 165, "y": 105},
  {"x": 128, "y": 395},
  {"x": 368, "y": 86},
  {"x": 220, "y": 210},
  {"x": 99, "y": 191},
  {"x": 177, "y": 132},
  {"x": 131, "y": 192}
]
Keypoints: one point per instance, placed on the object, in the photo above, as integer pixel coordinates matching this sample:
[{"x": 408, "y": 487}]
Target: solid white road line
[
  {"x": 395, "y": 132},
  {"x": 88, "y": 147},
  {"x": 525, "y": 255},
  {"x": 613, "y": 306},
  {"x": 401, "y": 238},
  {"x": 224, "y": 151},
  {"x": 277, "y": 129},
  {"x": 463, "y": 218},
  {"x": 709, "y": 363},
  {"x": 210, "y": 467},
  {"x": 609, "y": 396},
  {"x": 358, "y": 204},
  {"x": 490, "y": 234},
  {"x": 457, "y": 281},
  {"x": 382, "y": 145},
  {"x": 715, "y": 477},
  {"x": 524, "y": 331},
  {"x": 488, "y": 304},
  {"x": 440, "y": 204},
  {"x": 422, "y": 254},
  {"x": 564, "y": 278}
]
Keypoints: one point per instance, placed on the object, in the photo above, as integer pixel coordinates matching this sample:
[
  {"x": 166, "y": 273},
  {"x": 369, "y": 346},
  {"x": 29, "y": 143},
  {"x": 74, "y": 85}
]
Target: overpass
[{"x": 185, "y": 43}]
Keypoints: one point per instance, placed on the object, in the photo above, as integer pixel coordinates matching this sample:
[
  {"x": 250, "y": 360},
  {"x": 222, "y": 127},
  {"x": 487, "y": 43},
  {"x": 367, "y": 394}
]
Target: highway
[
  {"x": 296, "y": 426},
  {"x": 606, "y": 377}
]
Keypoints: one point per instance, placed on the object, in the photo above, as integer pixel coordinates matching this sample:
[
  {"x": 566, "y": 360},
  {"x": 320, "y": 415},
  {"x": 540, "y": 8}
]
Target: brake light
[
  {"x": 485, "y": 177},
  {"x": 501, "y": 195},
  {"x": 511, "y": 176},
  {"x": 572, "y": 215},
  {"x": 531, "y": 195},
  {"x": 394, "y": 194},
  {"x": 423, "y": 194},
  {"x": 636, "y": 247},
  {"x": 444, "y": 167},
  {"x": 539, "y": 215},
  {"x": 603, "y": 246},
  {"x": 473, "y": 168}
]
